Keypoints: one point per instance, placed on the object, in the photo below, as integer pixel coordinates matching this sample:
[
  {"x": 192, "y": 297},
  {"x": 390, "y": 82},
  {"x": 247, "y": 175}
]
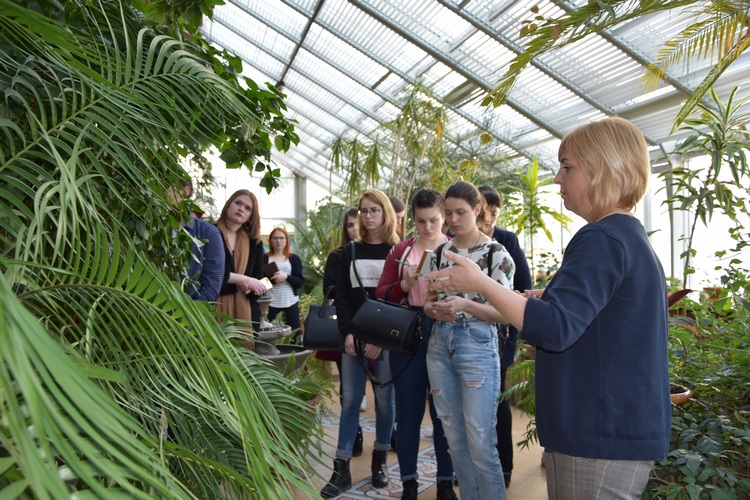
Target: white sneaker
[{"x": 363, "y": 405}]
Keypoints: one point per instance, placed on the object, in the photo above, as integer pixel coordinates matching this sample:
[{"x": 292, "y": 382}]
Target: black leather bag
[
  {"x": 321, "y": 327},
  {"x": 387, "y": 325},
  {"x": 384, "y": 324}
]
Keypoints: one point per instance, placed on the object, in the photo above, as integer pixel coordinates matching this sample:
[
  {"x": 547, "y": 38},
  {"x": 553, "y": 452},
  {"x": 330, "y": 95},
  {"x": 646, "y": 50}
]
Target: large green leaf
[{"x": 114, "y": 382}]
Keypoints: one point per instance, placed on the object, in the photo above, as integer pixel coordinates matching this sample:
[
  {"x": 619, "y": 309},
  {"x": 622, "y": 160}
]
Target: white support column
[{"x": 300, "y": 198}]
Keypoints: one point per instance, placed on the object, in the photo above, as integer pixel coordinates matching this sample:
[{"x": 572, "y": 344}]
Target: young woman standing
[
  {"x": 377, "y": 235},
  {"x": 286, "y": 281},
  {"x": 349, "y": 232},
  {"x": 463, "y": 362},
  {"x": 239, "y": 224},
  {"x": 400, "y": 281}
]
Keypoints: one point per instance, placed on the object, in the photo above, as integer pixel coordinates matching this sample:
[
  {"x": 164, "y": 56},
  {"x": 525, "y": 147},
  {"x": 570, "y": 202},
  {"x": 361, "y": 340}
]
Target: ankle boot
[
  {"x": 340, "y": 480},
  {"x": 445, "y": 490},
  {"x": 357, "y": 448},
  {"x": 411, "y": 488},
  {"x": 379, "y": 469}
]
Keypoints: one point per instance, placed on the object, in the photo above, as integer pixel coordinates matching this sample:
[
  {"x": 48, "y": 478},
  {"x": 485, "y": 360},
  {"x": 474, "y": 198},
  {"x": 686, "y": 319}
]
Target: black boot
[
  {"x": 411, "y": 488},
  {"x": 445, "y": 490},
  {"x": 357, "y": 448},
  {"x": 379, "y": 469},
  {"x": 340, "y": 480}
]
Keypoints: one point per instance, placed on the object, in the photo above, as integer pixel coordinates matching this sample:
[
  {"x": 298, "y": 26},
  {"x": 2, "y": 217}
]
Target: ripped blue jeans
[{"x": 464, "y": 369}]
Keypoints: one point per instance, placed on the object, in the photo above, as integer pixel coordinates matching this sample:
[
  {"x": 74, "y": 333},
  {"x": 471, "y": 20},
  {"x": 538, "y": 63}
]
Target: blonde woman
[
  {"x": 602, "y": 373},
  {"x": 377, "y": 235}
]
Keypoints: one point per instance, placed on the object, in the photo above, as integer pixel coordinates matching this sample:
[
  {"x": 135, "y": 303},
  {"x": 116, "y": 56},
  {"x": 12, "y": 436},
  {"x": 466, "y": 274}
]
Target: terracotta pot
[
  {"x": 713, "y": 293},
  {"x": 679, "y": 394}
]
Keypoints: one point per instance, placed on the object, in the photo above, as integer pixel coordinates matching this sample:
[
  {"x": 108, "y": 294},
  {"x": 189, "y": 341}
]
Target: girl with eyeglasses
[
  {"x": 286, "y": 280},
  {"x": 377, "y": 235}
]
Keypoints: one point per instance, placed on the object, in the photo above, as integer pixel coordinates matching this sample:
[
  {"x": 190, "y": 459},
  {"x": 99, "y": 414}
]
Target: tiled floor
[{"x": 528, "y": 482}]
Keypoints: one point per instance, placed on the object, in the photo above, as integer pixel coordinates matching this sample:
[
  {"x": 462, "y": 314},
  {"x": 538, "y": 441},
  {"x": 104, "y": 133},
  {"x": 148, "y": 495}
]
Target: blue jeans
[
  {"x": 353, "y": 381},
  {"x": 464, "y": 368},
  {"x": 411, "y": 388}
]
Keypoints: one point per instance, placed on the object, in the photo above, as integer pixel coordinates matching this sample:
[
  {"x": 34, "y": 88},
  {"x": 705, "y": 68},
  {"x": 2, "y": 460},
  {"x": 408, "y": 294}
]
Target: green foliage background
[{"x": 112, "y": 381}]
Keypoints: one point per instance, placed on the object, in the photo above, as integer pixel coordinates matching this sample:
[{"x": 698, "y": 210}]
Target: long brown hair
[
  {"x": 252, "y": 225},
  {"x": 345, "y": 239}
]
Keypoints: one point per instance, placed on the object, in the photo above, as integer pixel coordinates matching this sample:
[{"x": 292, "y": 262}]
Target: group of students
[
  {"x": 603, "y": 413},
  {"x": 600, "y": 326},
  {"x": 228, "y": 268},
  {"x": 456, "y": 369}
]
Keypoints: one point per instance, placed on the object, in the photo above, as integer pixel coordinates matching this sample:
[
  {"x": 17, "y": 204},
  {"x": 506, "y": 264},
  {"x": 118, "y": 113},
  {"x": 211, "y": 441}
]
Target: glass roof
[{"x": 345, "y": 63}]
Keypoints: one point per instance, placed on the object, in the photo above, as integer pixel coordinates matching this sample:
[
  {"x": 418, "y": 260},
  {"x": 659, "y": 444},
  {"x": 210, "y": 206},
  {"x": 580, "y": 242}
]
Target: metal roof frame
[{"x": 343, "y": 64}]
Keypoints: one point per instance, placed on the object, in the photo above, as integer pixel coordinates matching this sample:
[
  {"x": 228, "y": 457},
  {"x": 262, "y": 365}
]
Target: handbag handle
[
  {"x": 354, "y": 266},
  {"x": 327, "y": 293},
  {"x": 366, "y": 367}
]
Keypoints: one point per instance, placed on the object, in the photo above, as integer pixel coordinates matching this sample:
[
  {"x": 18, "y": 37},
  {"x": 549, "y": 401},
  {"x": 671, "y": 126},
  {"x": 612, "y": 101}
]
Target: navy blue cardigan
[{"x": 602, "y": 375}]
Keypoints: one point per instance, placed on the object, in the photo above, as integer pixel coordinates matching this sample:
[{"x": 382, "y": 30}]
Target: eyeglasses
[{"x": 374, "y": 212}]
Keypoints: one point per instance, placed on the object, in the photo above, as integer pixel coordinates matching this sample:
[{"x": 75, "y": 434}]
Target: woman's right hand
[
  {"x": 252, "y": 285},
  {"x": 410, "y": 275},
  {"x": 371, "y": 351},
  {"x": 349, "y": 345},
  {"x": 533, "y": 293}
]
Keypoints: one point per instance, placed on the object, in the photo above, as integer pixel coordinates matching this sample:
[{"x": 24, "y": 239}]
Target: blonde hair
[
  {"x": 614, "y": 155},
  {"x": 390, "y": 236}
]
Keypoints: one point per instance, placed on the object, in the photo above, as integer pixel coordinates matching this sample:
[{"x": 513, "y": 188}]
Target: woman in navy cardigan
[{"x": 600, "y": 327}]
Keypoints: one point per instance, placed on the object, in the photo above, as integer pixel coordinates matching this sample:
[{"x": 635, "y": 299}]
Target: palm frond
[
  {"x": 136, "y": 389},
  {"x": 76, "y": 432},
  {"x": 129, "y": 104},
  {"x": 575, "y": 25}
]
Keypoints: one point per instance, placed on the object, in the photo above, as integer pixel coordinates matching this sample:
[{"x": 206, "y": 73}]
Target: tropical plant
[
  {"x": 407, "y": 153},
  {"x": 525, "y": 207},
  {"x": 717, "y": 28},
  {"x": 720, "y": 133},
  {"x": 112, "y": 381},
  {"x": 710, "y": 432},
  {"x": 316, "y": 237}
]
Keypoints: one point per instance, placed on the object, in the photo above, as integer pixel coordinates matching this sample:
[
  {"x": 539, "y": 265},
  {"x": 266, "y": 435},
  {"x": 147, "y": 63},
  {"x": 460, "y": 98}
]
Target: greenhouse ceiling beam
[
  {"x": 392, "y": 69},
  {"x": 301, "y": 168},
  {"x": 515, "y": 48},
  {"x": 297, "y": 45},
  {"x": 307, "y": 75},
  {"x": 343, "y": 71},
  {"x": 470, "y": 76},
  {"x": 620, "y": 45},
  {"x": 313, "y": 166},
  {"x": 298, "y": 91},
  {"x": 317, "y": 163}
]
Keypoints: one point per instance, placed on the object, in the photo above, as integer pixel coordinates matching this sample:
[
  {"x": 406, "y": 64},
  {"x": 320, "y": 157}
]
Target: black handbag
[
  {"x": 321, "y": 327},
  {"x": 384, "y": 324}
]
